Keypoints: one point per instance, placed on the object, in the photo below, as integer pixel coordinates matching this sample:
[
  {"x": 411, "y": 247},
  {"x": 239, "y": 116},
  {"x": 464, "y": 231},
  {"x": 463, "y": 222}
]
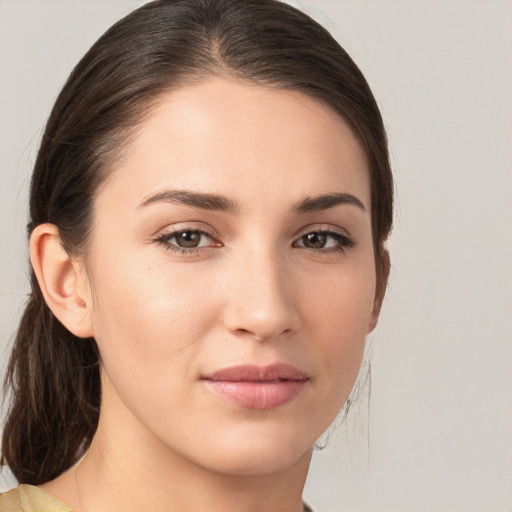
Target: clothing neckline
[
  {"x": 33, "y": 491},
  {"x": 28, "y": 492}
]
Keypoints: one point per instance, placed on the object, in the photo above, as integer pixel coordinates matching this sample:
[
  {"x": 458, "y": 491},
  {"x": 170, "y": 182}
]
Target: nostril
[{"x": 258, "y": 335}]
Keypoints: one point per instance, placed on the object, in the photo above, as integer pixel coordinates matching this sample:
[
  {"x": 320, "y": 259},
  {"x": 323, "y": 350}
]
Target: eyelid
[
  {"x": 322, "y": 228},
  {"x": 192, "y": 225}
]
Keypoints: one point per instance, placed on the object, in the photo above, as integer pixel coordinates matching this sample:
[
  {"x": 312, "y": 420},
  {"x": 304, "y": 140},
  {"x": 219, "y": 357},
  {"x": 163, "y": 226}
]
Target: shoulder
[
  {"x": 10, "y": 501},
  {"x": 28, "y": 498}
]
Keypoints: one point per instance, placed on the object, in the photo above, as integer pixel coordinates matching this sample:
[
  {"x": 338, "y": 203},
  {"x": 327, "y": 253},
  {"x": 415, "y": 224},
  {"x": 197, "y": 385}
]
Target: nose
[{"x": 261, "y": 302}]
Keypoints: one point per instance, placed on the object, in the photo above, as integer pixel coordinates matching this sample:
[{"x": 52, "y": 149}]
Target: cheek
[
  {"x": 150, "y": 325},
  {"x": 147, "y": 316},
  {"x": 339, "y": 312},
  {"x": 342, "y": 300}
]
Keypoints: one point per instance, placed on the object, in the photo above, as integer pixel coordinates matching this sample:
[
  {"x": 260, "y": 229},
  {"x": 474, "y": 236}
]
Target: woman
[{"x": 209, "y": 210}]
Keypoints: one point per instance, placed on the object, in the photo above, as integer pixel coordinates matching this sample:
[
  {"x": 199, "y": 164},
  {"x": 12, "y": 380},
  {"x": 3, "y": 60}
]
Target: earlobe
[
  {"x": 375, "y": 314},
  {"x": 61, "y": 279}
]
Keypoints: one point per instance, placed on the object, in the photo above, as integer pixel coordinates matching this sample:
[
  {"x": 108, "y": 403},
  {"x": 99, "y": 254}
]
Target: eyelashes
[
  {"x": 187, "y": 241},
  {"x": 325, "y": 240},
  {"x": 193, "y": 241}
]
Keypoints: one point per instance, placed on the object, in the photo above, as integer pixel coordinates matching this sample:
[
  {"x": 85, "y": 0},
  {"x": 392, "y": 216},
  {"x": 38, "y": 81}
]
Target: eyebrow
[
  {"x": 326, "y": 201},
  {"x": 196, "y": 199},
  {"x": 207, "y": 201}
]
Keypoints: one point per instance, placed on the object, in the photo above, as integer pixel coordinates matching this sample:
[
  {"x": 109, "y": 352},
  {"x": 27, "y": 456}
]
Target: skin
[{"x": 252, "y": 292}]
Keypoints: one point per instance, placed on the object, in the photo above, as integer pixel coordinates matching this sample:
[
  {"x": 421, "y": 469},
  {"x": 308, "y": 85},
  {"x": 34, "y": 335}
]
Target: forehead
[{"x": 243, "y": 140}]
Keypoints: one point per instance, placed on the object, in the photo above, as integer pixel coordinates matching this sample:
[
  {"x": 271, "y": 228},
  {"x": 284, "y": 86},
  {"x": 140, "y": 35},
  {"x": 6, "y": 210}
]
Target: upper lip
[{"x": 255, "y": 373}]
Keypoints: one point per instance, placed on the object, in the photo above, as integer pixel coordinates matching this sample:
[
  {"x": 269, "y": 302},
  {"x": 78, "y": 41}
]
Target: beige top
[{"x": 28, "y": 498}]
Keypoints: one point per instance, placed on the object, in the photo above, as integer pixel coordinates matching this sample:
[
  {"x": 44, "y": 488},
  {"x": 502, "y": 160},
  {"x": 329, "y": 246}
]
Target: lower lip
[{"x": 258, "y": 395}]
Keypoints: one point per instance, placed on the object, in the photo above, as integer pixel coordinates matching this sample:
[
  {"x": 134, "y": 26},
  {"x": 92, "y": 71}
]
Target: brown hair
[{"x": 53, "y": 377}]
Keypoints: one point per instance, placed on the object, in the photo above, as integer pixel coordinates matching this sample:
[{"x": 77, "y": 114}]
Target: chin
[
  {"x": 246, "y": 464},
  {"x": 258, "y": 453}
]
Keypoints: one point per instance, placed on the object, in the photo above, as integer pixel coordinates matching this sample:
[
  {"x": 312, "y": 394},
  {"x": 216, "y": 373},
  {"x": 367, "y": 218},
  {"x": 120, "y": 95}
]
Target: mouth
[{"x": 258, "y": 387}]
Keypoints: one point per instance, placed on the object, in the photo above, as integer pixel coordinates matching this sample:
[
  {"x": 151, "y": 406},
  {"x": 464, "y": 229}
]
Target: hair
[{"x": 53, "y": 379}]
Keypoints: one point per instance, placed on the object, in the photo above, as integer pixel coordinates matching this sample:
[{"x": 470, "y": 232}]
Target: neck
[
  {"x": 127, "y": 469},
  {"x": 173, "y": 484}
]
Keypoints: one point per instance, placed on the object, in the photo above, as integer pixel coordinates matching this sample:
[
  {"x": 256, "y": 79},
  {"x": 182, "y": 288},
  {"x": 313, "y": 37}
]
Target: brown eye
[
  {"x": 314, "y": 240},
  {"x": 188, "y": 239},
  {"x": 325, "y": 241}
]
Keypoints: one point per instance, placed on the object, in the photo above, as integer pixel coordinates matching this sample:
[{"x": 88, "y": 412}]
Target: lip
[{"x": 258, "y": 387}]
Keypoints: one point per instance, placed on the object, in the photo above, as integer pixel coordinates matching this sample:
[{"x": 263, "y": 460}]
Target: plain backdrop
[{"x": 436, "y": 433}]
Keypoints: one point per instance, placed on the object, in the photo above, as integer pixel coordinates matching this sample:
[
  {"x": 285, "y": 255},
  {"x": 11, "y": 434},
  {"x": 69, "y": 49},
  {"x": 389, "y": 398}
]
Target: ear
[
  {"x": 62, "y": 280},
  {"x": 382, "y": 270}
]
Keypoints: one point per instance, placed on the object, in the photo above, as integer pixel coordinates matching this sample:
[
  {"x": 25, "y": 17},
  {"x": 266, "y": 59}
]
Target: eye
[
  {"x": 186, "y": 240},
  {"x": 325, "y": 240}
]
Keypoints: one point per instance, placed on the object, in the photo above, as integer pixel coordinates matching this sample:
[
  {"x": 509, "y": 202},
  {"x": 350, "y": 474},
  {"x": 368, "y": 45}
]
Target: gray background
[{"x": 437, "y": 434}]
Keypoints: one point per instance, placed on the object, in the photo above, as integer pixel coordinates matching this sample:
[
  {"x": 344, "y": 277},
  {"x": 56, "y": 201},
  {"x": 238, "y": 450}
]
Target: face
[{"x": 232, "y": 276}]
